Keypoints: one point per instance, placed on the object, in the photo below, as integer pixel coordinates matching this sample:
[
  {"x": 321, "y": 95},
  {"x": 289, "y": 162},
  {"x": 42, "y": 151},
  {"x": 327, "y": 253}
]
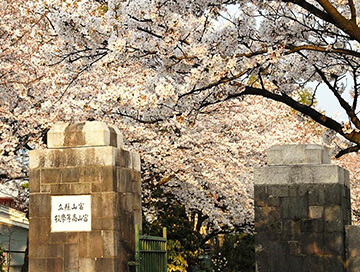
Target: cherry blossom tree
[
  {"x": 198, "y": 53},
  {"x": 173, "y": 76}
]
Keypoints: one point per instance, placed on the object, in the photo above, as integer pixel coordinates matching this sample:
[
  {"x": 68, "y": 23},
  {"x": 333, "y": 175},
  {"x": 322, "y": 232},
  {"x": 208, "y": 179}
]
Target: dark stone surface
[
  {"x": 312, "y": 225},
  {"x": 294, "y": 207},
  {"x": 353, "y": 247},
  {"x": 292, "y": 239}
]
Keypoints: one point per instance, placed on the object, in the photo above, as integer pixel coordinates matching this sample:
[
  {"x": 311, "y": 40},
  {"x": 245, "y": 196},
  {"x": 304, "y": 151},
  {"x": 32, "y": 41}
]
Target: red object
[{"x": 7, "y": 201}]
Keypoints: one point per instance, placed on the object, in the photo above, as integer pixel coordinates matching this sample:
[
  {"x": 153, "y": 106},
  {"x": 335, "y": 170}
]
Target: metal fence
[{"x": 150, "y": 252}]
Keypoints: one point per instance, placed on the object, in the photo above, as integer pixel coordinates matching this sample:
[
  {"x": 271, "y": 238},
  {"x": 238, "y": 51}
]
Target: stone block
[
  {"x": 260, "y": 193},
  {"x": 279, "y": 253},
  {"x": 126, "y": 159},
  {"x": 55, "y": 265},
  {"x": 275, "y": 225},
  {"x": 37, "y": 264},
  {"x": 312, "y": 225},
  {"x": 71, "y": 250},
  {"x": 58, "y": 237},
  {"x": 37, "y": 207},
  {"x": 136, "y": 179},
  {"x": 71, "y": 174},
  {"x": 262, "y": 215},
  {"x": 314, "y": 263},
  {"x": 54, "y": 251},
  {"x": 108, "y": 179},
  {"x": 80, "y": 189},
  {"x": 300, "y": 174},
  {"x": 72, "y": 237},
  {"x": 96, "y": 187},
  {"x": 90, "y": 174},
  {"x": 74, "y": 157},
  {"x": 101, "y": 223},
  {"x": 108, "y": 237},
  {"x": 295, "y": 248},
  {"x": 279, "y": 190},
  {"x": 312, "y": 243},
  {"x": 262, "y": 258},
  {"x": 334, "y": 264},
  {"x": 137, "y": 184},
  {"x": 316, "y": 195},
  {"x": 105, "y": 264},
  {"x": 71, "y": 264},
  {"x": 34, "y": 180},
  {"x": 273, "y": 201},
  {"x": 92, "y": 133},
  {"x": 291, "y": 230},
  {"x": 333, "y": 194},
  {"x": 316, "y": 212},
  {"x": 297, "y": 263},
  {"x": 123, "y": 180},
  {"x": 51, "y": 175},
  {"x": 297, "y": 190},
  {"x": 352, "y": 243},
  {"x": 87, "y": 265},
  {"x": 39, "y": 230},
  {"x": 294, "y": 207},
  {"x": 333, "y": 219},
  {"x": 46, "y": 188},
  {"x": 136, "y": 162},
  {"x": 60, "y": 189},
  {"x": 334, "y": 244},
  {"x": 71, "y": 258},
  {"x": 103, "y": 204},
  {"x": 91, "y": 245},
  {"x": 298, "y": 154},
  {"x": 37, "y": 250}
]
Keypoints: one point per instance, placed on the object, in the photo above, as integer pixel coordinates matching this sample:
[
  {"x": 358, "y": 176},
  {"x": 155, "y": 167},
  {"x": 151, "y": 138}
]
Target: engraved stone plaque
[{"x": 70, "y": 213}]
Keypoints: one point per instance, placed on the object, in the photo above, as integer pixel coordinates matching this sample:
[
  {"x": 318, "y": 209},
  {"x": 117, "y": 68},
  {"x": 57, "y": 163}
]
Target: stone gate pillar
[
  {"x": 302, "y": 204},
  {"x": 85, "y": 198}
]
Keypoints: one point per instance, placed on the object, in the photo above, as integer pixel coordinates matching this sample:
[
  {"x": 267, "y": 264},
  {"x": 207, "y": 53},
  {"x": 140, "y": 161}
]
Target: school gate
[
  {"x": 85, "y": 200},
  {"x": 303, "y": 213}
]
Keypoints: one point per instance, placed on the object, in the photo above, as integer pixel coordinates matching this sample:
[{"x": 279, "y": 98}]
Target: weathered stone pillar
[
  {"x": 85, "y": 198},
  {"x": 302, "y": 204}
]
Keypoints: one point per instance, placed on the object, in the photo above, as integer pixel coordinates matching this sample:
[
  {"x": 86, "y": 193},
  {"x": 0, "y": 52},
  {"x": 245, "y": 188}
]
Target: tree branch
[
  {"x": 308, "y": 111},
  {"x": 348, "y": 150},
  {"x": 352, "y": 10},
  {"x": 350, "y": 112},
  {"x": 293, "y": 49},
  {"x": 312, "y": 9},
  {"x": 348, "y": 26}
]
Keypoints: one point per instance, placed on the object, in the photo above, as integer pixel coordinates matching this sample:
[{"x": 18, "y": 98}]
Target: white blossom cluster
[{"x": 165, "y": 72}]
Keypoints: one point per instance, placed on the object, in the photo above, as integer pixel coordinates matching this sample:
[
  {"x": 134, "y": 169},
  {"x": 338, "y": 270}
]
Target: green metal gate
[{"x": 150, "y": 252}]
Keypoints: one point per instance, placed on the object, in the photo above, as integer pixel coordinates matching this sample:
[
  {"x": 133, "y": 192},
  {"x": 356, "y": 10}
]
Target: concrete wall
[{"x": 84, "y": 159}]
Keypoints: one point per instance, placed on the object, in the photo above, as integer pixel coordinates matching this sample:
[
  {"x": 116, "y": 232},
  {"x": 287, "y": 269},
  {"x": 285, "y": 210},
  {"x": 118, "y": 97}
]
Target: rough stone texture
[
  {"x": 300, "y": 212},
  {"x": 94, "y": 133},
  {"x": 353, "y": 248},
  {"x": 84, "y": 159},
  {"x": 305, "y": 154}
]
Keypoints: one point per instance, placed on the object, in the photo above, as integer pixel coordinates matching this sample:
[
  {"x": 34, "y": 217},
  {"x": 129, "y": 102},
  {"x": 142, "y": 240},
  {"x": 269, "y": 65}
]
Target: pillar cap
[
  {"x": 298, "y": 154},
  {"x": 90, "y": 133}
]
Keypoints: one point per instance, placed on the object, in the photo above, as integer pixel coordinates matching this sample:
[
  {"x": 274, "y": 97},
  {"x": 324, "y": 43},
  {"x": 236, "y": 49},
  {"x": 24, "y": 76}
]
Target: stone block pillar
[
  {"x": 302, "y": 204},
  {"x": 85, "y": 198}
]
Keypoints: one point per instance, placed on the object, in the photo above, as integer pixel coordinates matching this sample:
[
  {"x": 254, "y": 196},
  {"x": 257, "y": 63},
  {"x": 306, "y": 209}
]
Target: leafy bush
[{"x": 234, "y": 253}]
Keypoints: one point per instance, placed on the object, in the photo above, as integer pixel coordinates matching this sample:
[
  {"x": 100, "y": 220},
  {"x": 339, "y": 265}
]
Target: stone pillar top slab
[
  {"x": 298, "y": 154},
  {"x": 90, "y": 133}
]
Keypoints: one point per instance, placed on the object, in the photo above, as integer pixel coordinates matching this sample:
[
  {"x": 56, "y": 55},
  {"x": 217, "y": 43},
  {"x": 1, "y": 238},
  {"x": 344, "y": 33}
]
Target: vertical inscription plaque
[{"x": 70, "y": 213}]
